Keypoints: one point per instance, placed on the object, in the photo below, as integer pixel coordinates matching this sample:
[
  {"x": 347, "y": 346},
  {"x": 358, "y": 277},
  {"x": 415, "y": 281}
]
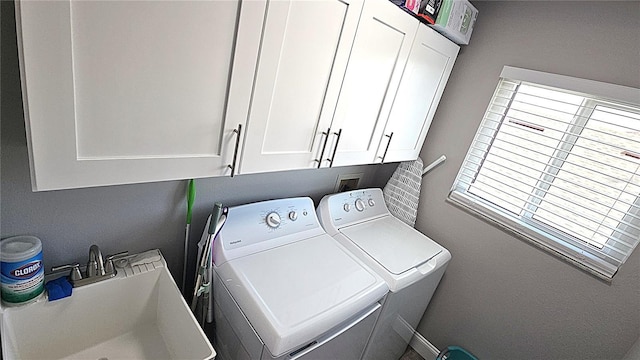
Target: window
[{"x": 557, "y": 161}]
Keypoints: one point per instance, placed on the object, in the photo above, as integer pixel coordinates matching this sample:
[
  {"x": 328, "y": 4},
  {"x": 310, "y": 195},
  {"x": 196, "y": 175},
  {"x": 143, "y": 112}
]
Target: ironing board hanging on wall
[{"x": 402, "y": 192}]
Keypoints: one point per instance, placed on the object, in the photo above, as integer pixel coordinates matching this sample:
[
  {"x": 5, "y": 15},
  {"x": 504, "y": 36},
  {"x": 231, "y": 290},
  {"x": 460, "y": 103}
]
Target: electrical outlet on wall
[{"x": 347, "y": 182}]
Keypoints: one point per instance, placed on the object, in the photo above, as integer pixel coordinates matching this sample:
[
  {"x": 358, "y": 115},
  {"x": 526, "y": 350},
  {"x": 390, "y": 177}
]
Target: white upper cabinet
[
  {"x": 303, "y": 56},
  {"x": 124, "y": 92},
  {"x": 121, "y": 92},
  {"x": 380, "y": 51},
  {"x": 425, "y": 76}
]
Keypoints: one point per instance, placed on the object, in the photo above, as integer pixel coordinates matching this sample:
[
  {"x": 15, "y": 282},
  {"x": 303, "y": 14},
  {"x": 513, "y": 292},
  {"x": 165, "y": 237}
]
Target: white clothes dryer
[
  {"x": 284, "y": 289},
  {"x": 411, "y": 263}
]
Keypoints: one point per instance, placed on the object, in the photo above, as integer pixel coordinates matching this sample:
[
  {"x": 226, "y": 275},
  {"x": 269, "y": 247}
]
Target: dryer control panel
[{"x": 343, "y": 209}]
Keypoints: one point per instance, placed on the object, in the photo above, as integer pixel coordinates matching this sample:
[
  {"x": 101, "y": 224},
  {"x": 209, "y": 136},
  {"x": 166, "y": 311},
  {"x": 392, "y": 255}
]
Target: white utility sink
[{"x": 139, "y": 314}]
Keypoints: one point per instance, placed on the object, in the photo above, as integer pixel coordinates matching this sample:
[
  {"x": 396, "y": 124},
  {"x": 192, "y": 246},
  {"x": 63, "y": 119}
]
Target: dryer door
[{"x": 394, "y": 245}]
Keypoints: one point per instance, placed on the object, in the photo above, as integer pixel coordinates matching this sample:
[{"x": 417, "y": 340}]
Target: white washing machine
[
  {"x": 410, "y": 263},
  {"x": 284, "y": 289}
]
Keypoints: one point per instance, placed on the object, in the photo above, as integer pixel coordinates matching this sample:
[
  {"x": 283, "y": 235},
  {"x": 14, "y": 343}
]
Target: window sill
[{"x": 528, "y": 235}]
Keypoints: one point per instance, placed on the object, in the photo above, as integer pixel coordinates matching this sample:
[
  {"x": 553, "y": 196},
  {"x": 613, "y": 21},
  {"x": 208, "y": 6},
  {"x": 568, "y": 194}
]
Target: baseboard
[{"x": 423, "y": 347}]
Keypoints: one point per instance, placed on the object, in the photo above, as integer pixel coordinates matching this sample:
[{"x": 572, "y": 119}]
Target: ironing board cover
[{"x": 402, "y": 192}]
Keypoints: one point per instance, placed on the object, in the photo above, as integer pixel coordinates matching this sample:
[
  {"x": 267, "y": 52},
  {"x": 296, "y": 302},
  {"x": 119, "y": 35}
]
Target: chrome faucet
[
  {"x": 95, "y": 266},
  {"x": 98, "y": 269}
]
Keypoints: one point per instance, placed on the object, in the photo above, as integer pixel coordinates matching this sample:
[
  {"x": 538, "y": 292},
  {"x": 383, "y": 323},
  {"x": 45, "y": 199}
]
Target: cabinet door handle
[
  {"x": 232, "y": 166},
  {"x": 390, "y": 136},
  {"x": 324, "y": 146},
  {"x": 335, "y": 149}
]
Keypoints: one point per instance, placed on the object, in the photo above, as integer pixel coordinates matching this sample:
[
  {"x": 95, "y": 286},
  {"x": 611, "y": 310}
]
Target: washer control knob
[
  {"x": 346, "y": 207},
  {"x": 371, "y": 202},
  {"x": 359, "y": 205},
  {"x": 293, "y": 216},
  {"x": 273, "y": 220}
]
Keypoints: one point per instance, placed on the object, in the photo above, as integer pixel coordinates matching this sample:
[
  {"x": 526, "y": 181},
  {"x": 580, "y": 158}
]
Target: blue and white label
[{"x": 22, "y": 280}]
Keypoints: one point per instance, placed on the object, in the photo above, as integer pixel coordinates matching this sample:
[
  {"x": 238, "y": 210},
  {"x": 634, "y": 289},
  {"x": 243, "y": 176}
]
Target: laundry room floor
[{"x": 411, "y": 354}]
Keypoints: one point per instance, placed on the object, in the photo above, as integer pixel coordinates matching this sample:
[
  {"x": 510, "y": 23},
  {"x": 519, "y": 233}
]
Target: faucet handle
[
  {"x": 74, "y": 275},
  {"x": 108, "y": 262}
]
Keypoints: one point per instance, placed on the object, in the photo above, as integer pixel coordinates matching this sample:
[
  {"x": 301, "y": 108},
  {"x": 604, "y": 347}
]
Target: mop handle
[{"x": 191, "y": 196}]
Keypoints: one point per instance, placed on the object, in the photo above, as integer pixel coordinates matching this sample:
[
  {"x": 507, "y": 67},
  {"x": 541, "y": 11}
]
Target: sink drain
[{"x": 103, "y": 358}]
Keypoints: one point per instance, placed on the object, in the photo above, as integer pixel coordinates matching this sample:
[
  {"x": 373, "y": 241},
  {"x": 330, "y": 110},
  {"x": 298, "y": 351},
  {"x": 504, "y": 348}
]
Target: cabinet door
[
  {"x": 423, "y": 81},
  {"x": 379, "y": 54},
  {"x": 303, "y": 57},
  {"x": 124, "y": 92}
]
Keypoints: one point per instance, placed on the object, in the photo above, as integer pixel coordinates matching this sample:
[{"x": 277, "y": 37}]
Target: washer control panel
[
  {"x": 261, "y": 225},
  {"x": 273, "y": 220},
  {"x": 345, "y": 208}
]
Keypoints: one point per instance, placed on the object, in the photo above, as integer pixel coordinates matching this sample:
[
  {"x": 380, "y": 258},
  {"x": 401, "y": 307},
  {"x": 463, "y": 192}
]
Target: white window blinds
[{"x": 557, "y": 160}]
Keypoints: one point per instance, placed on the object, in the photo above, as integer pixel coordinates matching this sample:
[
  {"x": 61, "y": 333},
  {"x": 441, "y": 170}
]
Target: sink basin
[{"x": 139, "y": 314}]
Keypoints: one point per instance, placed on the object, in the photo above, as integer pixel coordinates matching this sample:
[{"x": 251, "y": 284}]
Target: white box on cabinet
[{"x": 456, "y": 19}]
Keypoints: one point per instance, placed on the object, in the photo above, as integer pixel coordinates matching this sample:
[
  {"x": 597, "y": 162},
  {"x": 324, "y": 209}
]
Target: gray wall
[
  {"x": 127, "y": 217},
  {"x": 634, "y": 352},
  {"x": 502, "y": 298}
]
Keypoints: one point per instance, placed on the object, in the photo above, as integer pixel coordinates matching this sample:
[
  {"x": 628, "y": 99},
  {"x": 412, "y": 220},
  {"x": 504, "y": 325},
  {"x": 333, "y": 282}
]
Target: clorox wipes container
[{"x": 22, "y": 269}]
